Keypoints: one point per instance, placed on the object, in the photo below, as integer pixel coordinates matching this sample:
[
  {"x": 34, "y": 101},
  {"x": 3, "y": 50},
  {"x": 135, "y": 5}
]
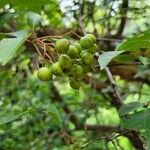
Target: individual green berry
[
  {"x": 62, "y": 45},
  {"x": 73, "y": 51},
  {"x": 56, "y": 69},
  {"x": 78, "y": 46},
  {"x": 92, "y": 49},
  {"x": 86, "y": 42},
  {"x": 87, "y": 58},
  {"x": 65, "y": 61},
  {"x": 75, "y": 84},
  {"x": 44, "y": 74},
  {"x": 77, "y": 70},
  {"x": 82, "y": 52},
  {"x": 92, "y": 37}
]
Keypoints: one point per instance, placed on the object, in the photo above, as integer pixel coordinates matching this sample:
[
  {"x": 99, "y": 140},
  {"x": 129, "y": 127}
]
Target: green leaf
[
  {"x": 124, "y": 58},
  {"x": 53, "y": 112},
  {"x": 33, "y": 5},
  {"x": 147, "y": 136},
  {"x": 144, "y": 60},
  {"x": 6, "y": 117},
  {"x": 138, "y": 42},
  {"x": 127, "y": 108},
  {"x": 138, "y": 120},
  {"x": 6, "y": 35},
  {"x": 106, "y": 57},
  {"x": 9, "y": 46},
  {"x": 33, "y": 19}
]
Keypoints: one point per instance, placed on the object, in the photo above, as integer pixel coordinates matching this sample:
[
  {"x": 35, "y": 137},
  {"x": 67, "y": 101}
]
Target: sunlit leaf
[
  {"x": 9, "y": 46},
  {"x": 6, "y": 117},
  {"x": 144, "y": 60},
  {"x": 138, "y": 120},
  {"x": 138, "y": 42},
  {"x": 127, "y": 108},
  {"x": 106, "y": 57}
]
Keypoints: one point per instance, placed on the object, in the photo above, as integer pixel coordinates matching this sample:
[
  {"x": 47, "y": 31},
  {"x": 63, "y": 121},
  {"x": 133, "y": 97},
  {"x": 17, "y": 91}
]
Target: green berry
[
  {"x": 65, "y": 61},
  {"x": 92, "y": 37},
  {"x": 62, "y": 45},
  {"x": 75, "y": 84},
  {"x": 82, "y": 52},
  {"x": 77, "y": 70},
  {"x": 56, "y": 69},
  {"x": 86, "y": 42},
  {"x": 92, "y": 49},
  {"x": 78, "y": 46},
  {"x": 44, "y": 74},
  {"x": 73, "y": 51},
  {"x": 87, "y": 58}
]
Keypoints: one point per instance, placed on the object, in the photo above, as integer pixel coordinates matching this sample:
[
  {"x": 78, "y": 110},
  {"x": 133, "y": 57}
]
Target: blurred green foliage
[{"x": 34, "y": 114}]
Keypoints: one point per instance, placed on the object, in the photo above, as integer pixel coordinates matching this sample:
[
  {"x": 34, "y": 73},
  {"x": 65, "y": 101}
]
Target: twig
[
  {"x": 118, "y": 144},
  {"x": 102, "y": 128},
  {"x": 114, "y": 144},
  {"x": 72, "y": 33},
  {"x": 123, "y": 12},
  {"x": 101, "y": 138},
  {"x": 51, "y": 61},
  {"x": 92, "y": 141},
  {"x": 81, "y": 16},
  {"x": 117, "y": 95},
  {"x": 50, "y": 36},
  {"x": 38, "y": 50}
]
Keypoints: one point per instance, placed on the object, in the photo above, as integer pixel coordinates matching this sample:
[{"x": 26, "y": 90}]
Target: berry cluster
[{"x": 74, "y": 60}]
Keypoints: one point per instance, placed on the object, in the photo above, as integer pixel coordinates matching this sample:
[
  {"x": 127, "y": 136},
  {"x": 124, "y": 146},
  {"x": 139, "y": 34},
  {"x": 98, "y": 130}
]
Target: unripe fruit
[
  {"x": 73, "y": 52},
  {"x": 78, "y": 46},
  {"x": 44, "y": 74},
  {"x": 65, "y": 61},
  {"x": 87, "y": 58},
  {"x": 33, "y": 19},
  {"x": 83, "y": 52},
  {"x": 75, "y": 84},
  {"x": 86, "y": 42},
  {"x": 92, "y": 49},
  {"x": 56, "y": 69},
  {"x": 92, "y": 37},
  {"x": 62, "y": 45},
  {"x": 77, "y": 70}
]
